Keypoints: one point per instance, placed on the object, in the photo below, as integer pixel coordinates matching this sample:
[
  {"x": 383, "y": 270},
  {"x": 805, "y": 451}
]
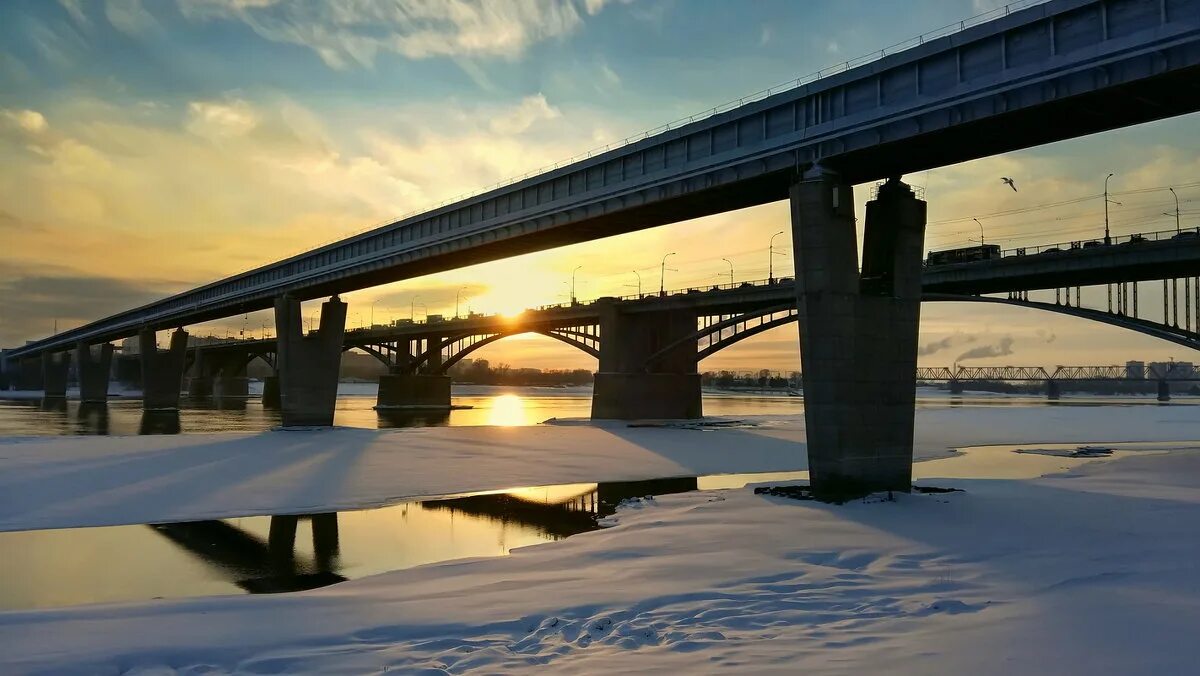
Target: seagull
[{"x": 1009, "y": 182}]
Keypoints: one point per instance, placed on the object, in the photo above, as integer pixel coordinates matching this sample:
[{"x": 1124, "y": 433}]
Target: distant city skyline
[{"x": 152, "y": 147}]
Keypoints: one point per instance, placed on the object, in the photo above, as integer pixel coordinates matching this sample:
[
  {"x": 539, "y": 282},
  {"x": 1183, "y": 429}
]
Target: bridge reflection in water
[{"x": 283, "y": 553}]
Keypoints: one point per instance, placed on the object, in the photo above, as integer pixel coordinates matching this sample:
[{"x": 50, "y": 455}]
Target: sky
[{"x": 149, "y": 147}]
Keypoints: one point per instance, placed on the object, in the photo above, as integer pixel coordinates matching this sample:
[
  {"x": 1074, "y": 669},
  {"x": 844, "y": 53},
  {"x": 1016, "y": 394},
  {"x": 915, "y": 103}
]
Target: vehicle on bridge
[{"x": 967, "y": 254}]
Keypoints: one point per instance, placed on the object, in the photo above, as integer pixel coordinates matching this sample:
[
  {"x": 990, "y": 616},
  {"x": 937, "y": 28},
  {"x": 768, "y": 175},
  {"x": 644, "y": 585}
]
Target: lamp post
[
  {"x": 412, "y": 309},
  {"x": 457, "y": 297},
  {"x": 1177, "y": 229},
  {"x": 1107, "y": 238},
  {"x": 662, "y": 276},
  {"x": 771, "y": 259},
  {"x": 573, "y": 283},
  {"x": 373, "y": 312},
  {"x": 730, "y": 270},
  {"x": 639, "y": 285},
  {"x": 980, "y": 231}
]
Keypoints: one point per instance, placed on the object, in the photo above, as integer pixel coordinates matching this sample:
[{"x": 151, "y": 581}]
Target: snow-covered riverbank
[{"x": 1091, "y": 572}]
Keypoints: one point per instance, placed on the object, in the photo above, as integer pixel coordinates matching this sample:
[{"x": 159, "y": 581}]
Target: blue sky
[{"x": 152, "y": 146}]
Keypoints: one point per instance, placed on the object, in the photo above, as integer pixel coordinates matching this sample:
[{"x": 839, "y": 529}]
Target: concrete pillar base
[
  {"x": 200, "y": 387},
  {"x": 641, "y": 396},
  {"x": 54, "y": 374},
  {"x": 270, "y": 392},
  {"x": 94, "y": 371},
  {"x": 231, "y": 387},
  {"x": 1052, "y": 390},
  {"x": 956, "y": 387},
  {"x": 162, "y": 372},
  {"x": 308, "y": 364},
  {"x": 1164, "y": 391},
  {"x": 858, "y": 333},
  {"x": 413, "y": 391}
]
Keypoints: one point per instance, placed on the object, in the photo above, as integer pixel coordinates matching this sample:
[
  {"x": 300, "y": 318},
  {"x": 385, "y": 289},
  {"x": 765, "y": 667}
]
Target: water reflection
[
  {"x": 488, "y": 406},
  {"x": 269, "y": 554},
  {"x": 395, "y": 418},
  {"x": 92, "y": 418},
  {"x": 159, "y": 422},
  {"x": 261, "y": 566}
]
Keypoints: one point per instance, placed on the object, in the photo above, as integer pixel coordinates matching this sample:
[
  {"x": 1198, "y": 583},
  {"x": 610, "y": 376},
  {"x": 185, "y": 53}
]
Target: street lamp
[
  {"x": 730, "y": 270},
  {"x": 412, "y": 309},
  {"x": 373, "y": 312},
  {"x": 1177, "y": 229},
  {"x": 457, "y": 297},
  {"x": 639, "y": 278},
  {"x": 573, "y": 283},
  {"x": 980, "y": 231},
  {"x": 1107, "y": 238},
  {"x": 662, "y": 276},
  {"x": 771, "y": 259}
]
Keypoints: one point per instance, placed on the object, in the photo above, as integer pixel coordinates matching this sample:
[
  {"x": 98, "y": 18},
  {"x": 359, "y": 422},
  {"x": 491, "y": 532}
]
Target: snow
[
  {"x": 1088, "y": 571},
  {"x": 57, "y": 482},
  {"x": 1093, "y": 571}
]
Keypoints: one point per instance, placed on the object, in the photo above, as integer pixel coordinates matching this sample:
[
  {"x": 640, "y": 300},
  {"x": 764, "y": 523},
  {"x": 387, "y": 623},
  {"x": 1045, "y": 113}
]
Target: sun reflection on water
[{"x": 508, "y": 410}]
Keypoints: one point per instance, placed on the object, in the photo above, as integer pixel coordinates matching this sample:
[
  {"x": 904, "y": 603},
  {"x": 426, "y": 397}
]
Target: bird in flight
[{"x": 1008, "y": 181}]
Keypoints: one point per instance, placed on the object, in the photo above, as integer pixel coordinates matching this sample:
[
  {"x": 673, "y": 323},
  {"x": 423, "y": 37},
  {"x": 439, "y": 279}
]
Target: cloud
[
  {"x": 349, "y": 34},
  {"x": 530, "y": 111},
  {"x": 30, "y": 121},
  {"x": 130, "y": 17},
  {"x": 217, "y": 119},
  {"x": 31, "y": 304},
  {"x": 1002, "y": 348}
]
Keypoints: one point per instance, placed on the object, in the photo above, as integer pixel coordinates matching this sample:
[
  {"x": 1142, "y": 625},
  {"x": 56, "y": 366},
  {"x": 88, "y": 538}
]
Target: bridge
[
  {"x": 1133, "y": 373},
  {"x": 418, "y": 355},
  {"x": 1055, "y": 70}
]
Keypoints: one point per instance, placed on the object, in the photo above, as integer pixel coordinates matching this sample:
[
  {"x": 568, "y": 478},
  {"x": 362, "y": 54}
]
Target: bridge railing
[{"x": 1116, "y": 240}]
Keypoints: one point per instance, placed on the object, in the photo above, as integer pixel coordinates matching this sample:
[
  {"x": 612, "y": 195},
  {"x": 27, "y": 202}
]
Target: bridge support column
[
  {"x": 413, "y": 390},
  {"x": 55, "y": 368},
  {"x": 858, "y": 334},
  {"x": 1164, "y": 390},
  {"x": 956, "y": 387},
  {"x": 627, "y": 388},
  {"x": 308, "y": 365},
  {"x": 29, "y": 374},
  {"x": 231, "y": 382},
  {"x": 1053, "y": 391},
  {"x": 270, "y": 392},
  {"x": 162, "y": 372},
  {"x": 94, "y": 371}
]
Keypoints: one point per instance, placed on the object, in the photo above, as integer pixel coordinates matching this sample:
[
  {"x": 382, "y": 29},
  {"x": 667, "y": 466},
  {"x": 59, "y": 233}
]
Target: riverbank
[{"x": 977, "y": 582}]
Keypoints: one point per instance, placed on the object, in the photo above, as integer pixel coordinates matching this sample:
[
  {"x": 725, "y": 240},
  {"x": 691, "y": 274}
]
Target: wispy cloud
[
  {"x": 1001, "y": 348},
  {"x": 350, "y": 34}
]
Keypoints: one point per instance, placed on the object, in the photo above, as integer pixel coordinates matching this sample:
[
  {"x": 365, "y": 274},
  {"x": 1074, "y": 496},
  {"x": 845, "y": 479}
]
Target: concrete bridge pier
[
  {"x": 162, "y": 371},
  {"x": 308, "y": 365},
  {"x": 1053, "y": 392},
  {"x": 29, "y": 374},
  {"x": 94, "y": 371},
  {"x": 403, "y": 388},
  {"x": 1164, "y": 391},
  {"x": 956, "y": 387},
  {"x": 55, "y": 369},
  {"x": 626, "y": 387},
  {"x": 221, "y": 377},
  {"x": 270, "y": 391},
  {"x": 858, "y": 333}
]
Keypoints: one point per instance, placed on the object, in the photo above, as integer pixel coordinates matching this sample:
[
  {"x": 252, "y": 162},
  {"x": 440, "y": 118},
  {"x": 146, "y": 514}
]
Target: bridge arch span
[
  {"x": 463, "y": 345},
  {"x": 735, "y": 329}
]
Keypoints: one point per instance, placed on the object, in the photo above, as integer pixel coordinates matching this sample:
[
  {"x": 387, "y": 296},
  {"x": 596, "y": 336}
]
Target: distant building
[
  {"x": 1135, "y": 370},
  {"x": 1173, "y": 370}
]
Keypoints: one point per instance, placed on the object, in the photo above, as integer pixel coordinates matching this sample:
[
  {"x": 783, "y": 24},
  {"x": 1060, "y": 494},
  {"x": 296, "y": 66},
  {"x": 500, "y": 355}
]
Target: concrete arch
[
  {"x": 373, "y": 351},
  {"x": 550, "y": 333}
]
